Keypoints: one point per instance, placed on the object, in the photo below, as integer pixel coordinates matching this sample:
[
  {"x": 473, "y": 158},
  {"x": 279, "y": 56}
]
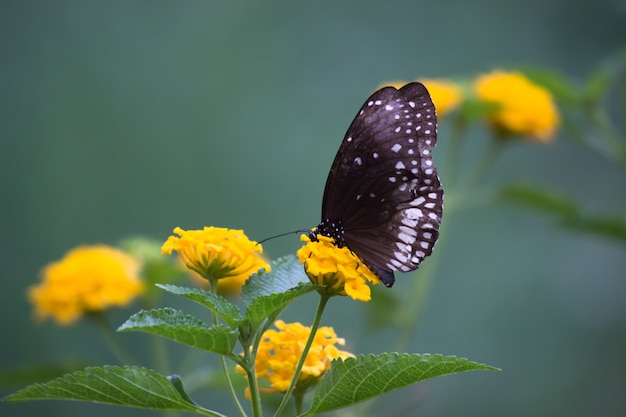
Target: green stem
[
  {"x": 316, "y": 322},
  {"x": 231, "y": 387},
  {"x": 229, "y": 382},
  {"x": 112, "y": 339},
  {"x": 255, "y": 397}
]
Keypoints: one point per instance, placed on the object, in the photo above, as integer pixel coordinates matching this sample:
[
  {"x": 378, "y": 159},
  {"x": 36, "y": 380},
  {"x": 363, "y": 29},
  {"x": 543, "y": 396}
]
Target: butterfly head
[{"x": 329, "y": 228}]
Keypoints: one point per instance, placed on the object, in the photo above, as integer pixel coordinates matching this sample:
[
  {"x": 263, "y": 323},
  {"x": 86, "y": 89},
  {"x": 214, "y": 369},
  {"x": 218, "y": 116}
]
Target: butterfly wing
[{"x": 383, "y": 187}]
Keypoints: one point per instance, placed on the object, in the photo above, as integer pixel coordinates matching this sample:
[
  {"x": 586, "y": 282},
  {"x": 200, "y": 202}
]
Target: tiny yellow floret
[
  {"x": 88, "y": 279},
  {"x": 521, "y": 106},
  {"x": 217, "y": 253},
  {"x": 280, "y": 350},
  {"x": 338, "y": 269}
]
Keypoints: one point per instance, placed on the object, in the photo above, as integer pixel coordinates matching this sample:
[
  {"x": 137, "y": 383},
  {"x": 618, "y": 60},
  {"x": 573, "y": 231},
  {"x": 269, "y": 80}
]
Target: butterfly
[{"x": 383, "y": 198}]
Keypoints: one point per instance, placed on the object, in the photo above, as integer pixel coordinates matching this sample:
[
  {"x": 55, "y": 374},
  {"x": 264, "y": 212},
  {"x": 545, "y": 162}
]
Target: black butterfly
[{"x": 383, "y": 198}]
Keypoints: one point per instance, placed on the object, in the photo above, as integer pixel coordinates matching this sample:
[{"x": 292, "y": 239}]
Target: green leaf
[
  {"x": 183, "y": 328},
  {"x": 569, "y": 214},
  {"x": 539, "y": 198},
  {"x": 597, "y": 86},
  {"x": 287, "y": 272},
  {"x": 127, "y": 386},
  {"x": 228, "y": 312},
  {"x": 267, "y": 305},
  {"x": 364, "y": 377},
  {"x": 610, "y": 226}
]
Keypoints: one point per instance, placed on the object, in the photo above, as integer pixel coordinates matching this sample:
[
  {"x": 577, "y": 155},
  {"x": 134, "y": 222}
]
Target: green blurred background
[{"x": 130, "y": 118}]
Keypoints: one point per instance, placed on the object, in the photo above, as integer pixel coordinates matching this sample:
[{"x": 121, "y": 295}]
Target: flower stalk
[{"x": 324, "y": 297}]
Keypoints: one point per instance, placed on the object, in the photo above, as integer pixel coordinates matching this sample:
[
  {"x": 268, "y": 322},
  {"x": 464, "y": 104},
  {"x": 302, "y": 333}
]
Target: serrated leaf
[
  {"x": 183, "y": 328},
  {"x": 266, "y": 305},
  {"x": 129, "y": 386},
  {"x": 227, "y": 311},
  {"x": 367, "y": 376},
  {"x": 539, "y": 198},
  {"x": 287, "y": 272}
]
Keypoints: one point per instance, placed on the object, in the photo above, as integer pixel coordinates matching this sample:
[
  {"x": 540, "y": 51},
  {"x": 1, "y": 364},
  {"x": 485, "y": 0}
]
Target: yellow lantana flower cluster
[
  {"x": 216, "y": 252},
  {"x": 88, "y": 279},
  {"x": 338, "y": 269},
  {"x": 522, "y": 107},
  {"x": 280, "y": 351}
]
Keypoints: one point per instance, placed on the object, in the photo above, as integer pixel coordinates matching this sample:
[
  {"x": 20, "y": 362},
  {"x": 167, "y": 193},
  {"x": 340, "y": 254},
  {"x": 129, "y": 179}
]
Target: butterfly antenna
[{"x": 284, "y": 234}]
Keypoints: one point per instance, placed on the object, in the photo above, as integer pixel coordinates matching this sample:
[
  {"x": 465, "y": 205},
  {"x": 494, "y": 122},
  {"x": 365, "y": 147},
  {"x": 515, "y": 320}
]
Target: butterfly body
[{"x": 383, "y": 198}]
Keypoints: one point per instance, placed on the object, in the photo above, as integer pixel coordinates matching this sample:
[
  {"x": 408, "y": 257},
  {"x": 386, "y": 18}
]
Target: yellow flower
[
  {"x": 88, "y": 279},
  {"x": 280, "y": 350},
  {"x": 522, "y": 107},
  {"x": 216, "y": 252},
  {"x": 340, "y": 270},
  {"x": 446, "y": 95}
]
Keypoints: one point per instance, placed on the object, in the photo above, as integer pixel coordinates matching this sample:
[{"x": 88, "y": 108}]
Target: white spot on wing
[
  {"x": 401, "y": 257},
  {"x": 408, "y": 239},
  {"x": 396, "y": 147}
]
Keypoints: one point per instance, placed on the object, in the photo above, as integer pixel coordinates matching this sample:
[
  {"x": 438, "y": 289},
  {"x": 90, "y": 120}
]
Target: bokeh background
[{"x": 130, "y": 118}]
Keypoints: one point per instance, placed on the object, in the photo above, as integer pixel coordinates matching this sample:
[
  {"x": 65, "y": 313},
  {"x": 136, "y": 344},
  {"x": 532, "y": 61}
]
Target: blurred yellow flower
[
  {"x": 88, "y": 279},
  {"x": 340, "y": 270},
  {"x": 445, "y": 94},
  {"x": 216, "y": 252},
  {"x": 522, "y": 107},
  {"x": 280, "y": 350}
]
